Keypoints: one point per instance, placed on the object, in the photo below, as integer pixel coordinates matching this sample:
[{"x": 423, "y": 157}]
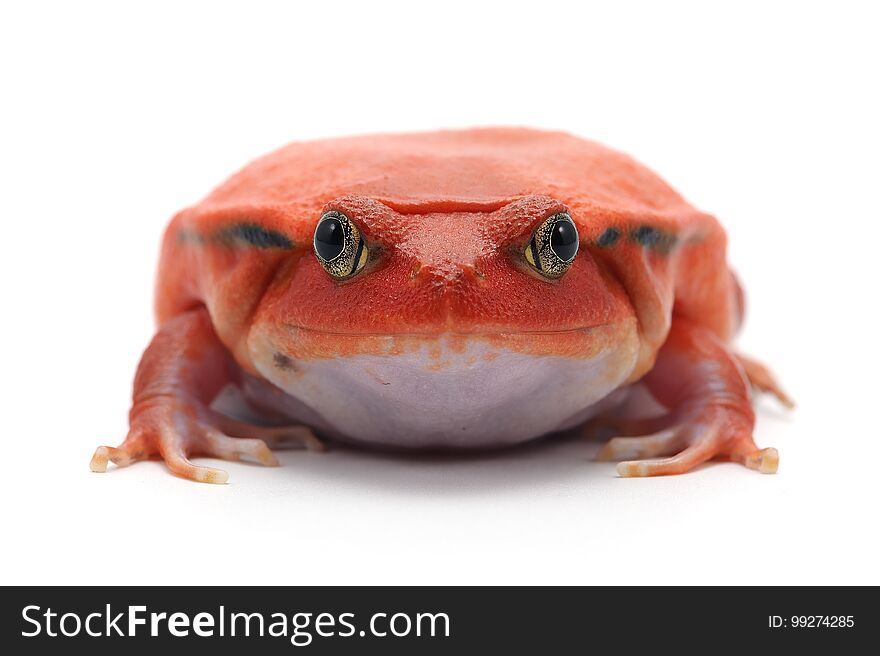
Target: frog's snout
[{"x": 448, "y": 276}]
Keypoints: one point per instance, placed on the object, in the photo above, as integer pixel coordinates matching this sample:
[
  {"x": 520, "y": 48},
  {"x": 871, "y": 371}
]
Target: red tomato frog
[{"x": 446, "y": 290}]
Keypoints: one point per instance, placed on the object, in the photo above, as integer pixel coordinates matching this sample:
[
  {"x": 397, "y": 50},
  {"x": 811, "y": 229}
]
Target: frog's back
[{"x": 478, "y": 169}]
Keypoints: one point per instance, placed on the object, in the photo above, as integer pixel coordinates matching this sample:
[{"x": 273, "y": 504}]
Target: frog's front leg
[
  {"x": 710, "y": 412},
  {"x": 179, "y": 375}
]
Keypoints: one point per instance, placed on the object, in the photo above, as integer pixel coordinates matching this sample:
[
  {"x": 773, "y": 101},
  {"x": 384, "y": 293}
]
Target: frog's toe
[
  {"x": 765, "y": 461},
  {"x": 175, "y": 452},
  {"x": 106, "y": 454},
  {"x": 296, "y": 436},
  {"x": 680, "y": 463},
  {"x": 222, "y": 446},
  {"x": 664, "y": 443},
  {"x": 130, "y": 451},
  {"x": 762, "y": 379}
]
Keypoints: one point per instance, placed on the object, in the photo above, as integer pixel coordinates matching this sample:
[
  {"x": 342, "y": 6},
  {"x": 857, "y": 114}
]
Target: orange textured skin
[
  {"x": 453, "y": 206},
  {"x": 447, "y": 216}
]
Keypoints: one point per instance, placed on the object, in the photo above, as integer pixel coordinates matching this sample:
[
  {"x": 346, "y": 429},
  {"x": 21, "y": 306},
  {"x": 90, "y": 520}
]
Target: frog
[{"x": 454, "y": 290}]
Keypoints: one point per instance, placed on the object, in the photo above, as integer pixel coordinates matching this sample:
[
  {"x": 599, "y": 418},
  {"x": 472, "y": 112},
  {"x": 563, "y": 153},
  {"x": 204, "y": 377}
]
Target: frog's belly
[{"x": 436, "y": 396}]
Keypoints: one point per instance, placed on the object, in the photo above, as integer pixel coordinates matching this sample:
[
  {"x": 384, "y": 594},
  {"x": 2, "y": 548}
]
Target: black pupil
[
  {"x": 564, "y": 240},
  {"x": 329, "y": 238}
]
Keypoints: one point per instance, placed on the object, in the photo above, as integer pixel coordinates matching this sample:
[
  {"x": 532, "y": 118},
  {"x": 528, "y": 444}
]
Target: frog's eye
[
  {"x": 339, "y": 246},
  {"x": 553, "y": 246}
]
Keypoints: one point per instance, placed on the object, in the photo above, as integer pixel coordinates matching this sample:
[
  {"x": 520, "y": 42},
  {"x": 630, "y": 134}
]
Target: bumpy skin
[{"x": 446, "y": 338}]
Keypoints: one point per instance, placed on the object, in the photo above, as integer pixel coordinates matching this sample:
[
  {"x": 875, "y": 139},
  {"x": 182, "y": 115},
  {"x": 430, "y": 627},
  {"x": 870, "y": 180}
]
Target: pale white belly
[{"x": 441, "y": 395}]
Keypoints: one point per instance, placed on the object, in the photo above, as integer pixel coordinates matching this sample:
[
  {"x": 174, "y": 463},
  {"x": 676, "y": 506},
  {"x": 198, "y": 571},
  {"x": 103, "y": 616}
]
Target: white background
[{"x": 114, "y": 117}]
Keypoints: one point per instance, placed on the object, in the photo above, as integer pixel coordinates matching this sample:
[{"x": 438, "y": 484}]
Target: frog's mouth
[
  {"x": 302, "y": 342},
  {"x": 449, "y": 389}
]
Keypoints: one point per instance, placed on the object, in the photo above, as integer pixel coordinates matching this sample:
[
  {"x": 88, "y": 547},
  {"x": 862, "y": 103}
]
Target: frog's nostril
[{"x": 446, "y": 277}]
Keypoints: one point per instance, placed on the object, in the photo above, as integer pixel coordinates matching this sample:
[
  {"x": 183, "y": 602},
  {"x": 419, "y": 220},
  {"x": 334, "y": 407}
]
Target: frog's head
[{"x": 385, "y": 277}]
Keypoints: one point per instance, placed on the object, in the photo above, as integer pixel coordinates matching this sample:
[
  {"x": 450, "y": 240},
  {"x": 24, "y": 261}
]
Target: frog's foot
[
  {"x": 177, "y": 431},
  {"x": 716, "y": 432},
  {"x": 763, "y": 380},
  {"x": 710, "y": 413}
]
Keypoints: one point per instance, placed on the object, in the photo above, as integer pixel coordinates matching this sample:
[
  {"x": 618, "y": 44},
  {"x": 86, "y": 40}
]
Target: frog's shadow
[{"x": 559, "y": 460}]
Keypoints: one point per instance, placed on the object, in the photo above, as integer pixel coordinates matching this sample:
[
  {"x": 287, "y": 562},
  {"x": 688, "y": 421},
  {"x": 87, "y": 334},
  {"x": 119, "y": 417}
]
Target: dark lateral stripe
[
  {"x": 653, "y": 238},
  {"x": 608, "y": 238},
  {"x": 255, "y": 235}
]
